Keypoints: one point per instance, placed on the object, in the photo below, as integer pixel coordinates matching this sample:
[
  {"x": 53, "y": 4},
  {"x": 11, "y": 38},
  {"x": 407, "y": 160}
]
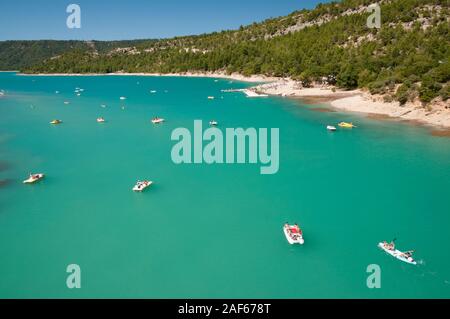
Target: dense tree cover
[
  {"x": 19, "y": 55},
  {"x": 408, "y": 57}
]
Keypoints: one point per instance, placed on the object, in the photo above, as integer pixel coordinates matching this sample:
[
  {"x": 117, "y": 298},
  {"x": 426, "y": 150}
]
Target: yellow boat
[
  {"x": 346, "y": 125},
  {"x": 55, "y": 122}
]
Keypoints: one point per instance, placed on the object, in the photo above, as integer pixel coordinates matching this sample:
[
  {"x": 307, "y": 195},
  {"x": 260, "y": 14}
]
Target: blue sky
[{"x": 135, "y": 19}]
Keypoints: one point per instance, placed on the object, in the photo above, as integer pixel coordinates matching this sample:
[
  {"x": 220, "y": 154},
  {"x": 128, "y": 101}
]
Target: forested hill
[
  {"x": 408, "y": 56},
  {"x": 20, "y": 55}
]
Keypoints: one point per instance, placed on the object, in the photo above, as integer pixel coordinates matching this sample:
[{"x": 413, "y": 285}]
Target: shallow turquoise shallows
[{"x": 210, "y": 231}]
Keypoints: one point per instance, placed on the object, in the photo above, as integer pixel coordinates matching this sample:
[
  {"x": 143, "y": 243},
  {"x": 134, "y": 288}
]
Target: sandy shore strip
[
  {"x": 217, "y": 75},
  {"x": 438, "y": 114}
]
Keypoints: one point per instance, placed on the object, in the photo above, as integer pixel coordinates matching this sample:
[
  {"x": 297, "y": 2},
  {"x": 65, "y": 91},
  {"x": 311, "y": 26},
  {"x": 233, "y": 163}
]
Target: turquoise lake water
[{"x": 211, "y": 231}]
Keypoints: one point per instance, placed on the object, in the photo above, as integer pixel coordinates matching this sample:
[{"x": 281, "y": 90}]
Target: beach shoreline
[
  {"x": 359, "y": 101},
  {"x": 217, "y": 75},
  {"x": 437, "y": 114}
]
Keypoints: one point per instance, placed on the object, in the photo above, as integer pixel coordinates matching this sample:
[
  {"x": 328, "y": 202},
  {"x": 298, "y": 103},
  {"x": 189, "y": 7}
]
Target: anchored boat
[
  {"x": 346, "y": 125},
  {"x": 213, "y": 123},
  {"x": 158, "y": 120},
  {"x": 403, "y": 256},
  {"x": 331, "y": 128},
  {"x": 56, "y": 122},
  {"x": 101, "y": 120},
  {"x": 142, "y": 185},
  {"x": 294, "y": 234},
  {"x": 34, "y": 178}
]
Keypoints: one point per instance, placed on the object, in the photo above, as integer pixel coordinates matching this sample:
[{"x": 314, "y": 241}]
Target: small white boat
[
  {"x": 142, "y": 185},
  {"x": 405, "y": 257},
  {"x": 101, "y": 120},
  {"x": 103, "y": 105},
  {"x": 78, "y": 94},
  {"x": 331, "y": 128},
  {"x": 66, "y": 102},
  {"x": 56, "y": 122},
  {"x": 211, "y": 97},
  {"x": 294, "y": 234},
  {"x": 34, "y": 178},
  {"x": 158, "y": 120},
  {"x": 123, "y": 98},
  {"x": 213, "y": 123},
  {"x": 153, "y": 91}
]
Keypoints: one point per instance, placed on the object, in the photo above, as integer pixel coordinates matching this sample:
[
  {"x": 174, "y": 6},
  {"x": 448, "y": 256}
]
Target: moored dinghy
[
  {"x": 403, "y": 256},
  {"x": 33, "y": 178},
  {"x": 294, "y": 234},
  {"x": 331, "y": 128},
  {"x": 158, "y": 120},
  {"x": 347, "y": 125},
  {"x": 142, "y": 185}
]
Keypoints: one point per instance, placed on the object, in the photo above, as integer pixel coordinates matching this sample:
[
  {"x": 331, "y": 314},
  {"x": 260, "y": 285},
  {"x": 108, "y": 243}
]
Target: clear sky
[{"x": 135, "y": 19}]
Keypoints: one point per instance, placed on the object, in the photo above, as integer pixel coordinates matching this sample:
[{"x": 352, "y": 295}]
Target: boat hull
[
  {"x": 398, "y": 255},
  {"x": 142, "y": 188},
  {"x": 34, "y": 180},
  {"x": 292, "y": 241}
]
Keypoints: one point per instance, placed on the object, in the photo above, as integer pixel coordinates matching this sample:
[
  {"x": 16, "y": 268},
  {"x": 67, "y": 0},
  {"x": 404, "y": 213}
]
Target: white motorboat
[
  {"x": 101, "y": 120},
  {"x": 294, "y": 234},
  {"x": 403, "y": 256},
  {"x": 331, "y": 128},
  {"x": 34, "y": 178},
  {"x": 123, "y": 98},
  {"x": 213, "y": 123},
  {"x": 142, "y": 185},
  {"x": 211, "y": 97},
  {"x": 158, "y": 120}
]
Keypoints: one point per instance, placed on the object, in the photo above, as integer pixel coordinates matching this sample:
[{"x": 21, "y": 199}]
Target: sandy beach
[
  {"x": 437, "y": 114},
  {"x": 218, "y": 75}
]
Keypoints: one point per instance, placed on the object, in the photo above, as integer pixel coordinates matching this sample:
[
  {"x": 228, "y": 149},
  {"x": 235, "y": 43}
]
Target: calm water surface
[{"x": 211, "y": 231}]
